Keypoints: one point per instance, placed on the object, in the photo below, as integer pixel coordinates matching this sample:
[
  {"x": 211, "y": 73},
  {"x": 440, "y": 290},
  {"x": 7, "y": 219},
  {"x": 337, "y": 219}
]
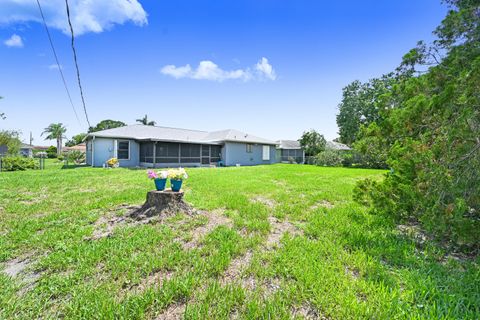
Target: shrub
[
  {"x": 52, "y": 152},
  {"x": 61, "y": 157},
  {"x": 329, "y": 158},
  {"x": 76, "y": 156},
  {"x": 16, "y": 163}
]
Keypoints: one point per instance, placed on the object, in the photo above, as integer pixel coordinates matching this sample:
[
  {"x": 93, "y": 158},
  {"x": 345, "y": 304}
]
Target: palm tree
[
  {"x": 55, "y": 131},
  {"x": 145, "y": 121}
]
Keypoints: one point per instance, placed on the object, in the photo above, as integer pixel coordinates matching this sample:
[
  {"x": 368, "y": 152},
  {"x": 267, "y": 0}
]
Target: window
[
  {"x": 266, "y": 153},
  {"x": 146, "y": 152},
  {"x": 249, "y": 148},
  {"x": 123, "y": 152},
  {"x": 189, "y": 153}
]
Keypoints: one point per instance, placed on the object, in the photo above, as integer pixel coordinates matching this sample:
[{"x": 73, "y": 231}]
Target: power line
[
  {"x": 58, "y": 63},
  {"x": 76, "y": 62}
]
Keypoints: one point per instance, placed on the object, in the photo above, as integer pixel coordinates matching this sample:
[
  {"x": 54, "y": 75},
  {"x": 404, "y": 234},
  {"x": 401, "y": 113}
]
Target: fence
[{"x": 41, "y": 164}]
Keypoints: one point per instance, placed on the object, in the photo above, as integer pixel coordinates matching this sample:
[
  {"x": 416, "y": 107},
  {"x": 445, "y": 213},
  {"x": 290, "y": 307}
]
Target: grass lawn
[{"x": 274, "y": 242}]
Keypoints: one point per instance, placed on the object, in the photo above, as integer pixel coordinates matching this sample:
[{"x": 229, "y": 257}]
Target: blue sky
[{"x": 270, "y": 68}]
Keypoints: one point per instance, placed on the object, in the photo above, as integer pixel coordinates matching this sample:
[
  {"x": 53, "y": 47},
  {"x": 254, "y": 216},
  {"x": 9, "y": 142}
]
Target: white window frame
[
  {"x": 249, "y": 148},
  {"x": 266, "y": 153},
  {"x": 117, "y": 144}
]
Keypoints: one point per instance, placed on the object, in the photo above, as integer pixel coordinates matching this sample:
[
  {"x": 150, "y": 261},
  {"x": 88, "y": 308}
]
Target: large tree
[
  {"x": 145, "y": 121},
  {"x": 312, "y": 142},
  {"x": 76, "y": 139},
  {"x": 55, "y": 131},
  {"x": 106, "y": 124},
  {"x": 10, "y": 139},
  {"x": 431, "y": 136},
  {"x": 360, "y": 106}
]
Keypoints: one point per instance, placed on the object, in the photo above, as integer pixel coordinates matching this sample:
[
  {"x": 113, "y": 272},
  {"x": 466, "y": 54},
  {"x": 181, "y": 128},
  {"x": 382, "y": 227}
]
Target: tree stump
[{"x": 162, "y": 203}]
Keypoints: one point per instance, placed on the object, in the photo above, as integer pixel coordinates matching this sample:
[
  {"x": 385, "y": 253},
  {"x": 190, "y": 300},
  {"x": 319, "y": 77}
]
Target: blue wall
[
  {"x": 237, "y": 153},
  {"x": 103, "y": 149}
]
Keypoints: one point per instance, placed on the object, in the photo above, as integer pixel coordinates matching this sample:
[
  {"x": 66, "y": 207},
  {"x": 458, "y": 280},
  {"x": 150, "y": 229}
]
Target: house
[
  {"x": 153, "y": 146},
  {"x": 290, "y": 151},
  {"x": 337, "y": 146},
  {"x": 82, "y": 147},
  {"x": 26, "y": 150}
]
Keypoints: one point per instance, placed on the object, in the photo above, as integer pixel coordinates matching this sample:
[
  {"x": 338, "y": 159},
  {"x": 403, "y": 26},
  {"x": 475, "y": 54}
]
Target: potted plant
[
  {"x": 160, "y": 179},
  {"x": 113, "y": 163},
  {"x": 176, "y": 178}
]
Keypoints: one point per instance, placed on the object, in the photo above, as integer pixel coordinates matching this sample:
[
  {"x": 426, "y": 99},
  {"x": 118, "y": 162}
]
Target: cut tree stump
[{"x": 162, "y": 203}]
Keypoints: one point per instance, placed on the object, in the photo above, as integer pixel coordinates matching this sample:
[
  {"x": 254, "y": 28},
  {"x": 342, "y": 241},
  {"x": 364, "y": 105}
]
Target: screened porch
[
  {"x": 166, "y": 154},
  {"x": 286, "y": 155}
]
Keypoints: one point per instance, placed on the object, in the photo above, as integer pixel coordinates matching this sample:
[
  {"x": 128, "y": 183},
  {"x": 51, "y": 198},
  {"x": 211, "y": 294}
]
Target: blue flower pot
[
  {"x": 176, "y": 185},
  {"x": 160, "y": 184}
]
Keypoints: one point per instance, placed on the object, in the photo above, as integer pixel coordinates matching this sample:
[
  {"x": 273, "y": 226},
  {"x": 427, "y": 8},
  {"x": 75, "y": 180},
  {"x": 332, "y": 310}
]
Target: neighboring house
[
  {"x": 332, "y": 145},
  {"x": 289, "y": 151},
  {"x": 25, "y": 150},
  {"x": 152, "y": 146},
  {"x": 82, "y": 147}
]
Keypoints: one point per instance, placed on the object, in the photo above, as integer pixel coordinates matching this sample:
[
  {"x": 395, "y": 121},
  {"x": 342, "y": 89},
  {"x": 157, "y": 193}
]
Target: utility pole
[{"x": 31, "y": 139}]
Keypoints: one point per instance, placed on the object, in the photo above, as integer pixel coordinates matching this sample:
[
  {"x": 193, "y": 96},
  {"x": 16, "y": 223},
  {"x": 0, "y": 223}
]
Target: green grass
[{"x": 345, "y": 264}]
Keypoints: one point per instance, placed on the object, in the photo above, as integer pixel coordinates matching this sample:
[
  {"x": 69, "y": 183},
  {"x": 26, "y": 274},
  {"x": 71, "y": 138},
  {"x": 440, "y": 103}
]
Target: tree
[
  {"x": 360, "y": 106},
  {"x": 76, "y": 139},
  {"x": 145, "y": 121},
  {"x": 430, "y": 137},
  {"x": 10, "y": 139},
  {"x": 55, "y": 131},
  {"x": 312, "y": 142},
  {"x": 106, "y": 124}
]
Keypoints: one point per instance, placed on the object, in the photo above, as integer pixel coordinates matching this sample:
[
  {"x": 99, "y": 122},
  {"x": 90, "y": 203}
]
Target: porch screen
[
  {"x": 189, "y": 153},
  {"x": 166, "y": 152}
]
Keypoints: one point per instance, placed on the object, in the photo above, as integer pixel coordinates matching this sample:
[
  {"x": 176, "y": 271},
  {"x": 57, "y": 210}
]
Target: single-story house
[
  {"x": 337, "y": 146},
  {"x": 153, "y": 146},
  {"x": 26, "y": 150},
  {"x": 290, "y": 150},
  {"x": 82, "y": 147}
]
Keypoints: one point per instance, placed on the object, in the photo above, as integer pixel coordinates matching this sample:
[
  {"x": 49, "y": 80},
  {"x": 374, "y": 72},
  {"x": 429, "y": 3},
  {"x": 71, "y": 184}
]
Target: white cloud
[
  {"x": 265, "y": 69},
  {"x": 208, "y": 70},
  {"x": 14, "y": 41},
  {"x": 86, "y": 16}
]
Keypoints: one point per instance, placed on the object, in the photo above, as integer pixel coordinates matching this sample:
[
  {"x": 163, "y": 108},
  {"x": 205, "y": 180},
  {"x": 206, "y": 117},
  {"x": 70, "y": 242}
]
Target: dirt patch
[
  {"x": 278, "y": 228},
  {"x": 236, "y": 268},
  {"x": 173, "y": 312},
  {"x": 215, "y": 218},
  {"x": 270, "y": 203},
  {"x": 352, "y": 272},
  {"x": 20, "y": 270},
  {"x": 154, "y": 279},
  {"x": 322, "y": 204},
  {"x": 306, "y": 311},
  {"x": 414, "y": 231}
]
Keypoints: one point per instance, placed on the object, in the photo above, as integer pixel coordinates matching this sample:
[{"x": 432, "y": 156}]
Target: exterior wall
[
  {"x": 103, "y": 149},
  {"x": 236, "y": 153}
]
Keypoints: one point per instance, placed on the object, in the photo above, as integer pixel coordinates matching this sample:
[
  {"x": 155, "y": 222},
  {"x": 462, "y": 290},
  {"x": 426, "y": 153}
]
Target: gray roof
[
  {"x": 289, "y": 144},
  {"x": 26, "y": 146},
  {"x": 337, "y": 146},
  {"x": 154, "y": 133}
]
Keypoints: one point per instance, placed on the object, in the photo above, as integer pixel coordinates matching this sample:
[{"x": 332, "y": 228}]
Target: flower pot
[
  {"x": 160, "y": 184},
  {"x": 176, "y": 184}
]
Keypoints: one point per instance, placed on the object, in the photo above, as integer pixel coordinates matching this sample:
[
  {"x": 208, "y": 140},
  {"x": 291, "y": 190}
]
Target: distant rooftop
[
  {"x": 156, "y": 133},
  {"x": 289, "y": 144},
  {"x": 337, "y": 146}
]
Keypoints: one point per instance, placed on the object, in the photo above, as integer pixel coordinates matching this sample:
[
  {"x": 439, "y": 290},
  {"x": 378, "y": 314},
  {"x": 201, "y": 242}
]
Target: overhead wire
[
  {"x": 76, "y": 62},
  {"x": 59, "y": 66}
]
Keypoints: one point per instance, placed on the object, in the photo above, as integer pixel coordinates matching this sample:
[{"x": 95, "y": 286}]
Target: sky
[{"x": 267, "y": 67}]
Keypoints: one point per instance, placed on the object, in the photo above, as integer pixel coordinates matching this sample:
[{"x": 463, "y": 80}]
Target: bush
[
  {"x": 61, "y": 157},
  {"x": 52, "y": 152},
  {"x": 76, "y": 156},
  {"x": 329, "y": 158},
  {"x": 17, "y": 163}
]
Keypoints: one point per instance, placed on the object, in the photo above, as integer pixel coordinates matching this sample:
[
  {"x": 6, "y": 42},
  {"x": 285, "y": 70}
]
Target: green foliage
[
  {"x": 329, "y": 158},
  {"x": 76, "y": 157},
  {"x": 55, "y": 131},
  {"x": 52, "y": 152},
  {"x": 10, "y": 138},
  {"x": 16, "y": 163},
  {"x": 145, "y": 121},
  {"x": 312, "y": 142},
  {"x": 360, "y": 106},
  {"x": 76, "y": 139},
  {"x": 106, "y": 124},
  {"x": 431, "y": 138}
]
